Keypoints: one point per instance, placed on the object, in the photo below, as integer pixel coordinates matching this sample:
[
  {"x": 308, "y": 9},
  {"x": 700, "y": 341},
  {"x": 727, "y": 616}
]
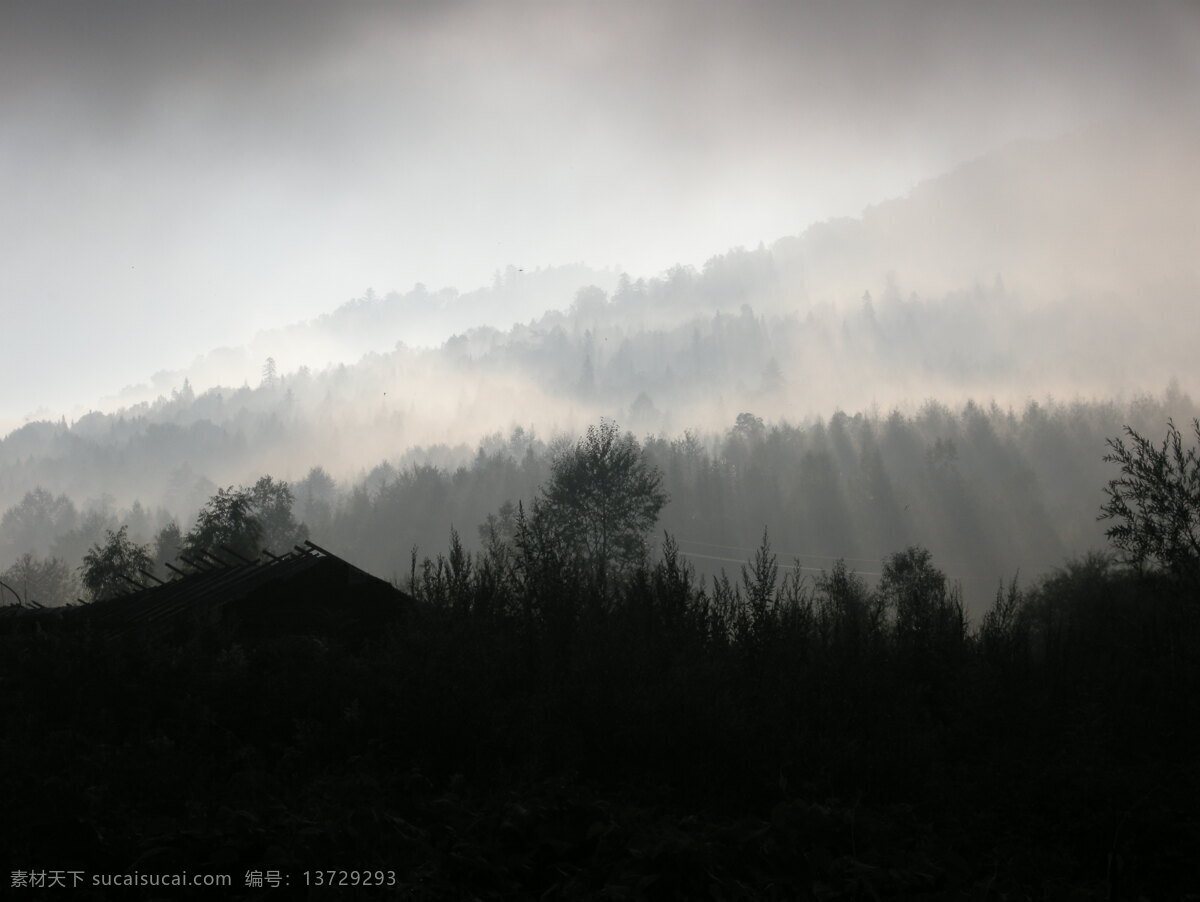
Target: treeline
[
  {"x": 529, "y": 731},
  {"x": 689, "y": 350},
  {"x": 565, "y": 714},
  {"x": 990, "y": 492},
  {"x": 1042, "y": 748}
]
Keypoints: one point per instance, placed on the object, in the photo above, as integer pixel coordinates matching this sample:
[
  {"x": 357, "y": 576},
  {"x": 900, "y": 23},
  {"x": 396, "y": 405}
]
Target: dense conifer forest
[
  {"x": 991, "y": 491},
  {"x": 566, "y": 713}
]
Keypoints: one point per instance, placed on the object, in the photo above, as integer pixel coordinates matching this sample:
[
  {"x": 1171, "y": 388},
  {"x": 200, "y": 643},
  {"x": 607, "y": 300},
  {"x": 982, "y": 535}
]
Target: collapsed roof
[{"x": 308, "y": 589}]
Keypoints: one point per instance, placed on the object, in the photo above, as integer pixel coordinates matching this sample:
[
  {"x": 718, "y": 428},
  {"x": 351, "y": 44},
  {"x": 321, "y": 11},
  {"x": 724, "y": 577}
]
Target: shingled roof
[{"x": 305, "y": 589}]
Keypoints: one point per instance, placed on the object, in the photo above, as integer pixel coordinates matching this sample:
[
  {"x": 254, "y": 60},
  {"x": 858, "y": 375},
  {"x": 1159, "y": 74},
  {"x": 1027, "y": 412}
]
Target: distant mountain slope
[
  {"x": 375, "y": 323},
  {"x": 1101, "y": 220},
  {"x": 421, "y": 317},
  {"x": 1112, "y": 209}
]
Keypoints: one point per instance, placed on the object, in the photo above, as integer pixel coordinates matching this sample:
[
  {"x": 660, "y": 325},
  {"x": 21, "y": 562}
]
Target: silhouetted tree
[
  {"x": 184, "y": 395},
  {"x": 914, "y": 591},
  {"x": 772, "y": 378},
  {"x": 1156, "y": 501},
  {"x": 850, "y": 619},
  {"x": 227, "y": 519},
  {"x": 603, "y": 499},
  {"x": 749, "y": 427},
  {"x": 760, "y": 579},
  {"x": 1004, "y": 628},
  {"x": 245, "y": 520},
  {"x": 167, "y": 545},
  {"x": 272, "y": 505},
  {"x": 499, "y": 528},
  {"x": 47, "y": 581},
  {"x": 33, "y": 524},
  {"x": 317, "y": 494},
  {"x": 931, "y": 625},
  {"x": 73, "y": 544},
  {"x": 111, "y": 568}
]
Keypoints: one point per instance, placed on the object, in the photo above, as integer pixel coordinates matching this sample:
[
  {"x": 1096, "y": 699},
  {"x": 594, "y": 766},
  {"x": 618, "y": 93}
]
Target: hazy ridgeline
[
  {"x": 990, "y": 491},
  {"x": 1062, "y": 267}
]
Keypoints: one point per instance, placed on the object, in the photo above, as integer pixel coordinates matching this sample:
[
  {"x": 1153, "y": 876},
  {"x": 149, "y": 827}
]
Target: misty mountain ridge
[
  {"x": 367, "y": 324},
  {"x": 1106, "y": 210},
  {"x": 1090, "y": 219}
]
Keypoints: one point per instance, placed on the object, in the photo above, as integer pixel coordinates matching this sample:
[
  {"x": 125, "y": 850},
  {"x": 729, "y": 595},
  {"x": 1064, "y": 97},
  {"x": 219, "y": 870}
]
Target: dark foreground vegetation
[
  {"x": 519, "y": 736},
  {"x": 558, "y": 717}
]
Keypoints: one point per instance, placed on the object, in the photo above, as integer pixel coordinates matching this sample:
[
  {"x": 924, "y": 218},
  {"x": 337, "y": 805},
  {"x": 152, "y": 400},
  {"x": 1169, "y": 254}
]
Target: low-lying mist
[
  {"x": 964, "y": 351},
  {"x": 991, "y": 491}
]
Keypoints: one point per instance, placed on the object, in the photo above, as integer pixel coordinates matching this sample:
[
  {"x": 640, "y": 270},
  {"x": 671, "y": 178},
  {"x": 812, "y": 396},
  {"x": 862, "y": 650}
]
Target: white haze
[{"x": 179, "y": 177}]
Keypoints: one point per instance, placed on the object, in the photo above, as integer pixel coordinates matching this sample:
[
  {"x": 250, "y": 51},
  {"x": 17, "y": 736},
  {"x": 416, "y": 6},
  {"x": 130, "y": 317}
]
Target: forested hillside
[
  {"x": 561, "y": 716},
  {"x": 991, "y": 491}
]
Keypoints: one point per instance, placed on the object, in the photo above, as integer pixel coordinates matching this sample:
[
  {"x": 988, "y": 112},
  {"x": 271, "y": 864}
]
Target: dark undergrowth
[{"x": 524, "y": 735}]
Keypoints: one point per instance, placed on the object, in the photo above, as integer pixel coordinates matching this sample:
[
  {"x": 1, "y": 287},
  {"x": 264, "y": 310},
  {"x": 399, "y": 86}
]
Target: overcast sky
[{"x": 177, "y": 175}]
